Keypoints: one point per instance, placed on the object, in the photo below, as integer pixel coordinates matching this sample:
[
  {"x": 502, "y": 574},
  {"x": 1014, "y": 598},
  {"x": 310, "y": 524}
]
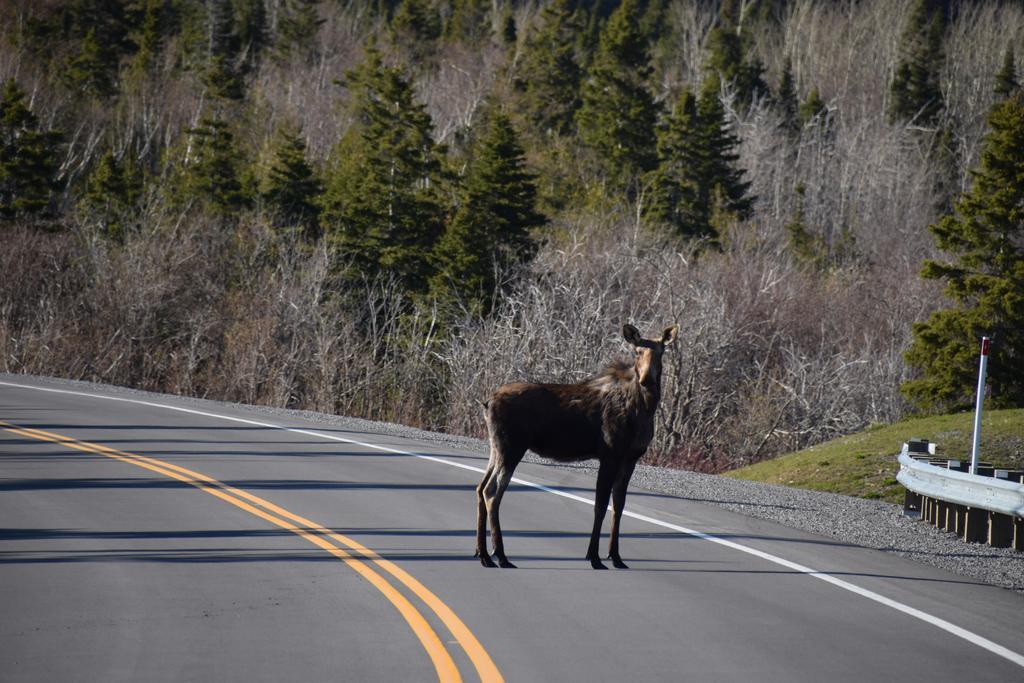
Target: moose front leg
[
  {"x": 481, "y": 517},
  {"x": 618, "y": 505},
  {"x": 605, "y": 477}
]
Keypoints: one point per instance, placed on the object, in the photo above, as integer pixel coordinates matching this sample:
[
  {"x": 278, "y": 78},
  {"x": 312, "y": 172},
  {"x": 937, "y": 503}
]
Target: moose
[{"x": 609, "y": 417}]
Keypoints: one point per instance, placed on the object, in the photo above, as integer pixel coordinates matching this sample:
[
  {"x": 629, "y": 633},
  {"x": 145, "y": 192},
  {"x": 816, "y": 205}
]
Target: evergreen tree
[
  {"x": 470, "y": 21},
  {"x": 787, "y": 99},
  {"x": 28, "y": 157},
  {"x": 298, "y": 23},
  {"x": 490, "y": 231},
  {"x": 509, "y": 33},
  {"x": 807, "y": 248},
  {"x": 915, "y": 93},
  {"x": 720, "y": 144},
  {"x": 252, "y": 27},
  {"x": 1006, "y": 78},
  {"x": 697, "y": 178},
  {"x": 91, "y": 71},
  {"x": 984, "y": 276},
  {"x": 150, "y": 42},
  {"x": 548, "y": 78},
  {"x": 98, "y": 32},
  {"x": 676, "y": 198},
  {"x": 812, "y": 107},
  {"x": 618, "y": 113},
  {"x": 728, "y": 61},
  {"x": 291, "y": 187},
  {"x": 382, "y": 204},
  {"x": 222, "y": 75},
  {"x": 212, "y": 175},
  {"x": 111, "y": 193}
]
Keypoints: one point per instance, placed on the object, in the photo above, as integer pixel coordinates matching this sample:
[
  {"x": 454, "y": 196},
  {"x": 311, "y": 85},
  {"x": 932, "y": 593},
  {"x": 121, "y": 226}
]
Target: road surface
[{"x": 146, "y": 537}]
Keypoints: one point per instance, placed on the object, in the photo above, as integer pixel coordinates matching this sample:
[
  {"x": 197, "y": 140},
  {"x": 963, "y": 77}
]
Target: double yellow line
[{"x": 334, "y": 543}]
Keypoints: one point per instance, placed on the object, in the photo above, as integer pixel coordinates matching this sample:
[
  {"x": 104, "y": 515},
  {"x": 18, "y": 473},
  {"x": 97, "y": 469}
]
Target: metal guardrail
[
  {"x": 972, "y": 490},
  {"x": 976, "y": 508}
]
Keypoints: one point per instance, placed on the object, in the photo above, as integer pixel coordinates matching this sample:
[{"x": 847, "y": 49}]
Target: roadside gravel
[{"x": 867, "y": 523}]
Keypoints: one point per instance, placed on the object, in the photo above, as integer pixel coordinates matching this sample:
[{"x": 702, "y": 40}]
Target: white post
[{"x": 977, "y": 407}]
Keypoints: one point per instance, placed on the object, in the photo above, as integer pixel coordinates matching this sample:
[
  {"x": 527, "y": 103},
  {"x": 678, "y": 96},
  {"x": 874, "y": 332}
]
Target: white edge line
[{"x": 938, "y": 622}]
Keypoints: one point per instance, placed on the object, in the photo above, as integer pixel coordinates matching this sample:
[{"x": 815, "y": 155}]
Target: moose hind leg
[{"x": 481, "y": 518}]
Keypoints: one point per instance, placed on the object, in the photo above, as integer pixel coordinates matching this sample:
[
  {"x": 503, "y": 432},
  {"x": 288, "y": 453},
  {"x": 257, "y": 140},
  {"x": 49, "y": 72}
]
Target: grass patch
[{"x": 864, "y": 464}]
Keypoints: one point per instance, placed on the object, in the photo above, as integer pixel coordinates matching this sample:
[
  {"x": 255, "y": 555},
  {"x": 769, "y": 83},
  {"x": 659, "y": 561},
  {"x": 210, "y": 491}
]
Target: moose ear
[
  {"x": 669, "y": 335},
  {"x": 631, "y": 334}
]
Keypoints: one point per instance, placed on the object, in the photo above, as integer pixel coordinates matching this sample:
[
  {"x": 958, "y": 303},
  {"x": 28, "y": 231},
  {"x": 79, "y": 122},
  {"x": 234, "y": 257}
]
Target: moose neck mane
[{"x": 620, "y": 376}]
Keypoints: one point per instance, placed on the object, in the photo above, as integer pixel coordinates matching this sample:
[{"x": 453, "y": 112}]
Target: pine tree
[
  {"x": 807, "y": 248},
  {"x": 618, "y": 113},
  {"x": 1006, "y": 78},
  {"x": 212, "y": 176},
  {"x": 509, "y": 33},
  {"x": 470, "y": 21},
  {"x": 728, "y": 62},
  {"x": 111, "y": 192},
  {"x": 298, "y": 23},
  {"x": 291, "y": 187},
  {"x": 984, "y": 276},
  {"x": 253, "y": 29},
  {"x": 90, "y": 72},
  {"x": 676, "y": 198},
  {"x": 697, "y": 179},
  {"x": 222, "y": 75},
  {"x": 720, "y": 145},
  {"x": 150, "y": 42},
  {"x": 490, "y": 231},
  {"x": 28, "y": 157},
  {"x": 915, "y": 92},
  {"x": 786, "y": 99},
  {"x": 382, "y": 205},
  {"x": 417, "y": 20},
  {"x": 812, "y": 107},
  {"x": 548, "y": 78}
]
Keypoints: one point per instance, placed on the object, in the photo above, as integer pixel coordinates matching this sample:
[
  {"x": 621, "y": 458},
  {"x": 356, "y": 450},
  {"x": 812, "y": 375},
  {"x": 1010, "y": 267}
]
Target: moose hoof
[
  {"x": 505, "y": 564},
  {"x": 597, "y": 564},
  {"x": 486, "y": 560},
  {"x": 618, "y": 563}
]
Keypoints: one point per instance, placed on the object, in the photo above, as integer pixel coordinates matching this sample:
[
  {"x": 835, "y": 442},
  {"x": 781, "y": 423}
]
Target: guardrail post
[
  {"x": 911, "y": 503},
  {"x": 952, "y": 514},
  {"x": 1000, "y": 530},
  {"x": 976, "y": 525},
  {"x": 942, "y": 510},
  {"x": 1018, "y": 534},
  {"x": 960, "y": 524}
]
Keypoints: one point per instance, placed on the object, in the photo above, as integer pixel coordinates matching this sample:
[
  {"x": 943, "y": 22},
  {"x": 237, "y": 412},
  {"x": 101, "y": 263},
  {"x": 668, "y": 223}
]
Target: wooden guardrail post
[
  {"x": 960, "y": 525},
  {"x": 1000, "y": 530},
  {"x": 976, "y": 525},
  {"x": 911, "y": 503}
]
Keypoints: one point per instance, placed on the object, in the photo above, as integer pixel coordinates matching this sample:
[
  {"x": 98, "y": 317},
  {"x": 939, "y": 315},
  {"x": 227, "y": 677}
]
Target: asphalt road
[{"x": 142, "y": 543}]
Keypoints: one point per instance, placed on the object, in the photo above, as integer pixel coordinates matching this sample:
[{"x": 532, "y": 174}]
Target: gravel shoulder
[{"x": 867, "y": 523}]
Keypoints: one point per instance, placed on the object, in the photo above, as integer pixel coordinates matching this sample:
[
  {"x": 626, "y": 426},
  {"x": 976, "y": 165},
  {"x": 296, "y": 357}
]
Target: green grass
[{"x": 864, "y": 464}]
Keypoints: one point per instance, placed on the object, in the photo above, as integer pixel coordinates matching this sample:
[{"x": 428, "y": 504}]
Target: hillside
[
  {"x": 864, "y": 464},
  {"x": 388, "y": 209}
]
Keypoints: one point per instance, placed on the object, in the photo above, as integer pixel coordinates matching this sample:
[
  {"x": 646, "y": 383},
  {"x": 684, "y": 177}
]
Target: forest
[{"x": 387, "y": 208}]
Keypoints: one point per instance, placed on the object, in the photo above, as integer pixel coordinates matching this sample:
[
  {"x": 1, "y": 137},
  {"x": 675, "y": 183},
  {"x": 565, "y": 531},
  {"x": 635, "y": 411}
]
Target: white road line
[{"x": 938, "y": 622}]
